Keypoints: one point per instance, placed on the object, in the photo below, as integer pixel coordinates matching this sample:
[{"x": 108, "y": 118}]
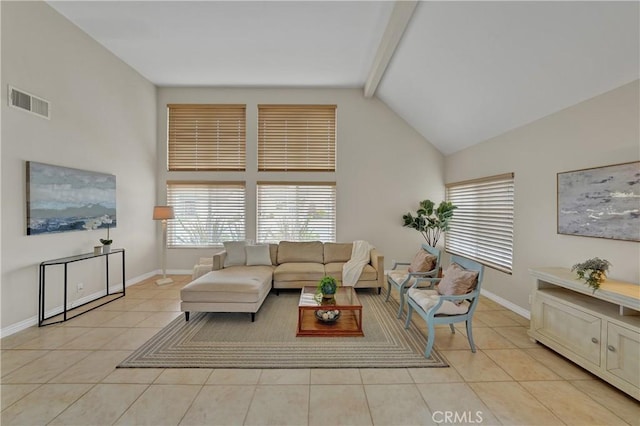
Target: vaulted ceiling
[{"x": 458, "y": 72}]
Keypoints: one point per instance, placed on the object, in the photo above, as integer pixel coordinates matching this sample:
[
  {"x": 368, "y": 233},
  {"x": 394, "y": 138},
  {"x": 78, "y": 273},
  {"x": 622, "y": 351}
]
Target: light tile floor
[{"x": 65, "y": 375}]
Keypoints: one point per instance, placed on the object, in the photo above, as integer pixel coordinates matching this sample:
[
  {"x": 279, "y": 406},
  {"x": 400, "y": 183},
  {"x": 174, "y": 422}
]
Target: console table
[
  {"x": 598, "y": 331},
  {"x": 65, "y": 261}
]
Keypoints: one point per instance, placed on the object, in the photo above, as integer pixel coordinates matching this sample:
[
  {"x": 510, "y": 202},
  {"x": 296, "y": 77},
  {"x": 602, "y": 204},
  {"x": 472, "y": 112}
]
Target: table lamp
[{"x": 163, "y": 213}]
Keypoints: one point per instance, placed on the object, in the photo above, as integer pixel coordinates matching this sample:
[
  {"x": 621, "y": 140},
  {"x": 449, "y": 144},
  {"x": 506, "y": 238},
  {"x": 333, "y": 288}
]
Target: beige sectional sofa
[{"x": 242, "y": 288}]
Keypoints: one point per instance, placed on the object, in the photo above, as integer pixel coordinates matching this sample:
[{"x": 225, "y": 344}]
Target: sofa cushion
[
  {"x": 299, "y": 271},
  {"x": 273, "y": 251},
  {"x": 335, "y": 270},
  {"x": 242, "y": 284},
  {"x": 337, "y": 252},
  {"x": 258, "y": 255},
  {"x": 235, "y": 253},
  {"x": 300, "y": 251}
]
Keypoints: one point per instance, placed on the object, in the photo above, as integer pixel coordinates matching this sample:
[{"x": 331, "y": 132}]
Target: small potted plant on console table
[{"x": 106, "y": 243}]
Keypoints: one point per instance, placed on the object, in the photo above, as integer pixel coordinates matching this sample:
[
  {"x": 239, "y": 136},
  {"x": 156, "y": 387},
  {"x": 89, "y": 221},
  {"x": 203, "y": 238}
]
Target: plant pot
[
  {"x": 106, "y": 248},
  {"x": 601, "y": 276},
  {"x": 327, "y": 286}
]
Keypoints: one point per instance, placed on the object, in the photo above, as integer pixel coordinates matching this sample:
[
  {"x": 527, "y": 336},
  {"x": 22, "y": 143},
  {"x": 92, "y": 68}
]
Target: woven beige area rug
[{"x": 231, "y": 340}]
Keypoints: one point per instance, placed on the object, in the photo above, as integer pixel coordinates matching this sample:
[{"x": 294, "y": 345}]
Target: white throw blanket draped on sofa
[{"x": 360, "y": 256}]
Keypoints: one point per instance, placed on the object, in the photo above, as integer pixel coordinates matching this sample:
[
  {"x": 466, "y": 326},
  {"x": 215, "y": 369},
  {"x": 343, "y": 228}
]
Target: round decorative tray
[{"x": 327, "y": 316}]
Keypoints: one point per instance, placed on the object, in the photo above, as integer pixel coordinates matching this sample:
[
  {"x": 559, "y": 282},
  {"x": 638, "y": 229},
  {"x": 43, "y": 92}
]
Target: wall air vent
[{"x": 27, "y": 102}]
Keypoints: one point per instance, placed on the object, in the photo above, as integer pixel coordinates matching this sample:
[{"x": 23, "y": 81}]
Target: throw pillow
[
  {"x": 235, "y": 253},
  {"x": 258, "y": 255},
  {"x": 423, "y": 261},
  {"x": 456, "y": 281}
]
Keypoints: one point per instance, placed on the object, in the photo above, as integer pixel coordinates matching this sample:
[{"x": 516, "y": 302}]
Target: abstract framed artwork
[
  {"x": 602, "y": 202},
  {"x": 61, "y": 199}
]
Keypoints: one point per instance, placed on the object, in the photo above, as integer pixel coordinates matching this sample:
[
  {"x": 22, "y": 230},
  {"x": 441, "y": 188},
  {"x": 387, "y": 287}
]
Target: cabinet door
[
  {"x": 623, "y": 353},
  {"x": 574, "y": 329}
]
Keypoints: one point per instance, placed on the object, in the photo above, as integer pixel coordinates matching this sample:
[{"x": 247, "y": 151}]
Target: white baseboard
[
  {"x": 171, "y": 272},
  {"x": 504, "y": 302},
  {"x": 29, "y": 322},
  {"x": 142, "y": 277},
  {"x": 178, "y": 272},
  {"x": 19, "y": 326}
]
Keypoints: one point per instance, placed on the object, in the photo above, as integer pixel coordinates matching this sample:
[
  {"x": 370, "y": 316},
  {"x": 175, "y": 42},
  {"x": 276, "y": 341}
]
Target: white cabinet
[
  {"x": 599, "y": 331},
  {"x": 623, "y": 353},
  {"x": 577, "y": 330}
]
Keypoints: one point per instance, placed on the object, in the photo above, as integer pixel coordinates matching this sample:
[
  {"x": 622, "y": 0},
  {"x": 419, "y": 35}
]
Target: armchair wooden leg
[
  {"x": 186, "y": 316},
  {"x": 409, "y": 313},
  {"x": 453, "y": 329},
  {"x": 430, "y": 339},
  {"x": 402, "y": 296},
  {"x": 470, "y": 336}
]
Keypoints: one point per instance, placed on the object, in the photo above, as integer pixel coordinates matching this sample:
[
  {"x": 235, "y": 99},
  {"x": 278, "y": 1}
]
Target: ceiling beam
[{"x": 398, "y": 22}]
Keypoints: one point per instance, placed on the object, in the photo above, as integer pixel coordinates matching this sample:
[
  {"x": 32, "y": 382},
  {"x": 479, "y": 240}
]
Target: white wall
[
  {"x": 601, "y": 131},
  {"x": 102, "y": 119},
  {"x": 384, "y": 166},
  {"x": 107, "y": 118}
]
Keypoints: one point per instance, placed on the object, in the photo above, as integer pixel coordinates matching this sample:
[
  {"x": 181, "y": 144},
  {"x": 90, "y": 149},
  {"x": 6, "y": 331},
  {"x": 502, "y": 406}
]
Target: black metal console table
[{"x": 65, "y": 261}]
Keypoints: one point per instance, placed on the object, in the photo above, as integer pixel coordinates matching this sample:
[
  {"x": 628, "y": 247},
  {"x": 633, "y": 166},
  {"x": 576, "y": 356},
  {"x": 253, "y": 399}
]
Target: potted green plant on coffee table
[{"x": 327, "y": 286}]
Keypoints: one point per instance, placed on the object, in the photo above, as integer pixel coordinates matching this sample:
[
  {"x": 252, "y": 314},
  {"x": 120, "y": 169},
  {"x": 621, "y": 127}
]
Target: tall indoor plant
[{"x": 429, "y": 220}]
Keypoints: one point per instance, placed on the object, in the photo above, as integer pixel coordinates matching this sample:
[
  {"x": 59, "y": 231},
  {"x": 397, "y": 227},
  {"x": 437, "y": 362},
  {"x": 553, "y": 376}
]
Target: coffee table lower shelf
[{"x": 349, "y": 324}]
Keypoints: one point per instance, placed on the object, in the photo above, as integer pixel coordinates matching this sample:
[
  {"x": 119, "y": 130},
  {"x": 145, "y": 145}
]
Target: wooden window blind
[
  {"x": 206, "y": 137},
  {"x": 206, "y": 213},
  {"x": 296, "y": 212},
  {"x": 482, "y": 225},
  {"x": 297, "y": 138}
]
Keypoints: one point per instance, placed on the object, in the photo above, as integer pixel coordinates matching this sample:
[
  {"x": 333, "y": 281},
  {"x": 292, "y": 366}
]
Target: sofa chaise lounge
[{"x": 242, "y": 287}]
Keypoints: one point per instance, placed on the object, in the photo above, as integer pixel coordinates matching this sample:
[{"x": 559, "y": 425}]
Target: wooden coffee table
[{"x": 345, "y": 300}]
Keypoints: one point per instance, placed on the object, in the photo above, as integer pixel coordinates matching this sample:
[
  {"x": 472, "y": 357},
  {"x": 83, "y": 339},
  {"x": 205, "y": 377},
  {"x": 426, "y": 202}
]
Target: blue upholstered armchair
[
  {"x": 417, "y": 273},
  {"x": 464, "y": 278}
]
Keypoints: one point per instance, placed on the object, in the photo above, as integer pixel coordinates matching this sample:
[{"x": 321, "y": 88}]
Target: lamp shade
[{"x": 163, "y": 212}]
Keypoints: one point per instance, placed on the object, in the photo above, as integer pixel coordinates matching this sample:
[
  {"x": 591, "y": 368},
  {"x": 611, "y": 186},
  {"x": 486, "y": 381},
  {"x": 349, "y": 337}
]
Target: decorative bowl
[{"x": 327, "y": 316}]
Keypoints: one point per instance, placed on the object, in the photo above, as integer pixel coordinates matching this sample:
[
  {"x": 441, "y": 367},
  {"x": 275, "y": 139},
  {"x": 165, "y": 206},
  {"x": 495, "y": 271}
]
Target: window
[
  {"x": 296, "y": 212},
  {"x": 297, "y": 138},
  {"x": 482, "y": 225},
  {"x": 206, "y": 213},
  {"x": 206, "y": 137}
]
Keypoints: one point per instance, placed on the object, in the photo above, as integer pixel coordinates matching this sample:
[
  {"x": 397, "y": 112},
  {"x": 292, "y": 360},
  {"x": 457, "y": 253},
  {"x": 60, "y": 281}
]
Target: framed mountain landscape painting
[
  {"x": 601, "y": 202},
  {"x": 61, "y": 199}
]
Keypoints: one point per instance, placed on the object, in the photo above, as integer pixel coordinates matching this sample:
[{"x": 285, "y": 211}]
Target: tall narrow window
[
  {"x": 297, "y": 138},
  {"x": 482, "y": 225},
  {"x": 206, "y": 137},
  {"x": 206, "y": 213},
  {"x": 296, "y": 212}
]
